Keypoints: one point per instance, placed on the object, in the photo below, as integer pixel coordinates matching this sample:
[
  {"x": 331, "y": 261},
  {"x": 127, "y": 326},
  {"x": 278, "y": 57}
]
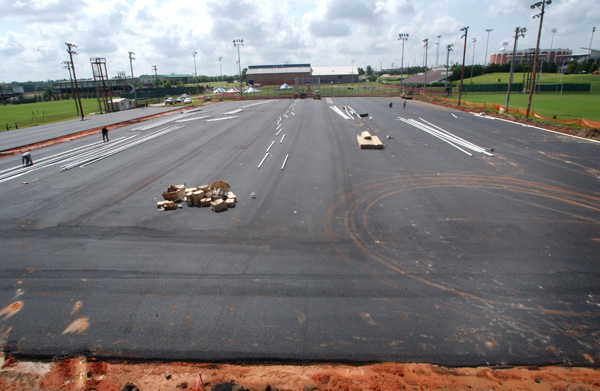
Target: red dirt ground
[{"x": 79, "y": 374}]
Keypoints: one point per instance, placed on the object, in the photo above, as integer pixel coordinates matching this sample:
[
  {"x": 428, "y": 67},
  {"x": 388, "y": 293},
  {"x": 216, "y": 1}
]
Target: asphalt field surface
[{"x": 421, "y": 252}]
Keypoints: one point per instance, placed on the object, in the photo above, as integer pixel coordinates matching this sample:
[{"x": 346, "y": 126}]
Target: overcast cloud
[{"x": 166, "y": 33}]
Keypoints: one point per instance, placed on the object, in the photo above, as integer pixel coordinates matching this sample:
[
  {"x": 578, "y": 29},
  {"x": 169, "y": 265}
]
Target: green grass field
[
  {"x": 31, "y": 114},
  {"x": 565, "y": 106}
]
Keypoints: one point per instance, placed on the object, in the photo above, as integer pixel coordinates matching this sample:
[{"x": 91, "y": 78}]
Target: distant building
[
  {"x": 336, "y": 74},
  {"x": 287, "y": 73},
  {"x": 525, "y": 56},
  {"x": 276, "y": 74}
]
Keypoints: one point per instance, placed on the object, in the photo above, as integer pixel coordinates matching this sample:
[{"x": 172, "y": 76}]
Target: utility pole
[
  {"x": 518, "y": 31},
  {"x": 541, "y": 5},
  {"x": 131, "y": 58},
  {"x": 155, "y": 75},
  {"x": 462, "y": 71},
  {"x": 485, "y": 60},
  {"x": 448, "y": 50},
  {"x": 70, "y": 50},
  {"x": 237, "y": 43},
  {"x": 403, "y": 38},
  {"x": 67, "y": 64},
  {"x": 426, "y": 45}
]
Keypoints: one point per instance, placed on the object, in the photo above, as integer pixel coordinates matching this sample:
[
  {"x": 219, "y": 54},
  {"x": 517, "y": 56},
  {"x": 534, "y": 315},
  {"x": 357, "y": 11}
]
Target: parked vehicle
[
  {"x": 169, "y": 101},
  {"x": 187, "y": 100}
]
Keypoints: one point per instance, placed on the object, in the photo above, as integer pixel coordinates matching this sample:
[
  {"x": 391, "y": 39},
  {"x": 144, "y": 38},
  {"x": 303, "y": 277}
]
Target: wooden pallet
[{"x": 367, "y": 141}]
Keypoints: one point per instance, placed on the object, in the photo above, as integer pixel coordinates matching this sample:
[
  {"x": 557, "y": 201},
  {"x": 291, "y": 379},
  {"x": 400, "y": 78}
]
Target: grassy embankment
[{"x": 565, "y": 106}]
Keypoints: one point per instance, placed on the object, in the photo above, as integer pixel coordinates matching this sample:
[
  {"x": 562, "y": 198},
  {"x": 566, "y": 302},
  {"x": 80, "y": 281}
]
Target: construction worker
[
  {"x": 104, "y": 134},
  {"x": 26, "y": 159}
]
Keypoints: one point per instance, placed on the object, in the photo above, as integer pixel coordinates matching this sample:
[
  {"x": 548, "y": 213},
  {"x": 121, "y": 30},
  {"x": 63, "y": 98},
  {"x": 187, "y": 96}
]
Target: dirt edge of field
[{"x": 81, "y": 374}]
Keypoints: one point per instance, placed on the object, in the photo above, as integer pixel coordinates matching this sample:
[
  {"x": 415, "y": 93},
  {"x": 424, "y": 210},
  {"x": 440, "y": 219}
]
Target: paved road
[
  {"x": 420, "y": 252},
  {"x": 26, "y": 136}
]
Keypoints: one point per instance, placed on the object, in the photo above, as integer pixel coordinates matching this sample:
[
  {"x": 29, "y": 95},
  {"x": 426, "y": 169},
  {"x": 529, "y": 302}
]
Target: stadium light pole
[
  {"x": 473, "y": 59},
  {"x": 221, "y": 68},
  {"x": 155, "y": 75},
  {"x": 591, "y": 39},
  {"x": 402, "y": 37},
  {"x": 237, "y": 43},
  {"x": 448, "y": 50},
  {"x": 518, "y": 31},
  {"x": 131, "y": 58},
  {"x": 70, "y": 50},
  {"x": 485, "y": 59},
  {"x": 196, "y": 74},
  {"x": 542, "y": 6},
  {"x": 426, "y": 46},
  {"x": 462, "y": 71},
  {"x": 437, "y": 51}
]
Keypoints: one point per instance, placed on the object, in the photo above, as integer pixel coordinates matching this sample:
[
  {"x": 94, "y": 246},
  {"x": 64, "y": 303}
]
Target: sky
[{"x": 166, "y": 33}]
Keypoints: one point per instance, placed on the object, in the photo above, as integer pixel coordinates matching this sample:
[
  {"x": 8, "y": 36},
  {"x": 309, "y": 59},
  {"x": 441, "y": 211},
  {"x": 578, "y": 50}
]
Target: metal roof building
[
  {"x": 336, "y": 74},
  {"x": 277, "y": 74}
]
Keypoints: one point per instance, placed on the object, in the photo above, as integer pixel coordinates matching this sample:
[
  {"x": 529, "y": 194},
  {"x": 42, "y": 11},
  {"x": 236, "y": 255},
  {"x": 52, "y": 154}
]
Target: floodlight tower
[
  {"x": 155, "y": 75},
  {"x": 196, "y": 73},
  {"x": 542, "y": 6},
  {"x": 519, "y": 31},
  {"x": 437, "y": 51},
  {"x": 237, "y": 43},
  {"x": 131, "y": 58},
  {"x": 473, "y": 59},
  {"x": 448, "y": 50},
  {"x": 426, "y": 46},
  {"x": 485, "y": 59},
  {"x": 402, "y": 37},
  {"x": 70, "y": 50},
  {"x": 462, "y": 71},
  {"x": 221, "y": 67}
]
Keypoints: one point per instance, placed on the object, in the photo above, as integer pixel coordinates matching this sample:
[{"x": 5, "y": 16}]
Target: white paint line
[
  {"x": 282, "y": 139},
  {"x": 192, "y": 119},
  {"x": 222, "y": 119},
  {"x": 278, "y": 126},
  {"x": 293, "y": 113},
  {"x": 340, "y": 112},
  {"x": 279, "y": 131},
  {"x": 285, "y": 161},
  {"x": 285, "y": 116},
  {"x": 263, "y": 160},
  {"x": 259, "y": 103},
  {"x": 536, "y": 127},
  {"x": 432, "y": 132},
  {"x": 268, "y": 149},
  {"x": 454, "y": 115},
  {"x": 233, "y": 112}
]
